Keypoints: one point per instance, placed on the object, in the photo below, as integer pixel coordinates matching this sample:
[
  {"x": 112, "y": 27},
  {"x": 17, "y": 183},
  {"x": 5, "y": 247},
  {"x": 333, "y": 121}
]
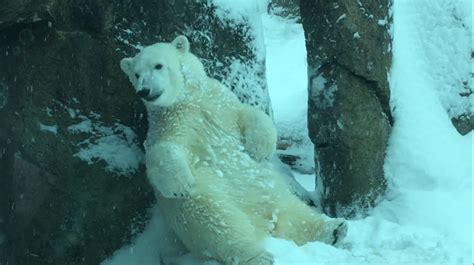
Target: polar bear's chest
[{"x": 214, "y": 129}]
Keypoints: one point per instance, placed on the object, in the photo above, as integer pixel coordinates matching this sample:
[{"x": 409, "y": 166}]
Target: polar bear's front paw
[
  {"x": 259, "y": 150},
  {"x": 334, "y": 231},
  {"x": 260, "y": 144},
  {"x": 339, "y": 233},
  {"x": 337, "y": 230},
  {"x": 177, "y": 187},
  {"x": 176, "y": 190},
  {"x": 260, "y": 258}
]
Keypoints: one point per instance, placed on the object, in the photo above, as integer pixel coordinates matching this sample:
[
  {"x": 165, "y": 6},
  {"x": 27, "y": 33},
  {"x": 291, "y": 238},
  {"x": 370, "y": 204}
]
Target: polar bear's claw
[
  {"x": 174, "y": 190},
  {"x": 340, "y": 232}
]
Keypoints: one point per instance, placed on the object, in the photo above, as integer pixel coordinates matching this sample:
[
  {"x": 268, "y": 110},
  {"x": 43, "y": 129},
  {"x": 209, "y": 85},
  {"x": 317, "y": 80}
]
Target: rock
[
  {"x": 64, "y": 199},
  {"x": 463, "y": 124},
  {"x": 349, "y": 116},
  {"x": 230, "y": 50},
  {"x": 285, "y": 8},
  {"x": 3, "y": 95}
]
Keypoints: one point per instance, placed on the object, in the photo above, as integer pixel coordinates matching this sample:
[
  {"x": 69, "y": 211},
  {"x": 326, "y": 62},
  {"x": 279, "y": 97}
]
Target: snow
[
  {"x": 442, "y": 33},
  {"x": 426, "y": 217},
  {"x": 245, "y": 12},
  {"x": 244, "y": 77},
  {"x": 288, "y": 89},
  {"x": 343, "y": 16},
  {"x": 144, "y": 250},
  {"x": 48, "y": 128},
  {"x": 117, "y": 146}
]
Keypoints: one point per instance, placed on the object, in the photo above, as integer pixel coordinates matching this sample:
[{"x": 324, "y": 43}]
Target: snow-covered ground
[{"x": 427, "y": 216}]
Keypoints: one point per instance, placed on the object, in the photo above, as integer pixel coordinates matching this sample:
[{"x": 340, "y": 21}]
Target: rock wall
[
  {"x": 285, "y": 8},
  {"x": 349, "y": 118},
  {"x": 72, "y": 182}
]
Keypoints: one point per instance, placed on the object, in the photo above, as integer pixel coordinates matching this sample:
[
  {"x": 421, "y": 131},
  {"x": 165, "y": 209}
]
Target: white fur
[{"x": 207, "y": 160}]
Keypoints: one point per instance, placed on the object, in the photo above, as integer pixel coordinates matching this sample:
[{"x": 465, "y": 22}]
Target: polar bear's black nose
[{"x": 143, "y": 93}]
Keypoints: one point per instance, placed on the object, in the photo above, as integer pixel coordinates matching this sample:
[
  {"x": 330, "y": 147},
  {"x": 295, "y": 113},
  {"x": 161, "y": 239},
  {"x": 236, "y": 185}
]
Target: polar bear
[{"x": 207, "y": 159}]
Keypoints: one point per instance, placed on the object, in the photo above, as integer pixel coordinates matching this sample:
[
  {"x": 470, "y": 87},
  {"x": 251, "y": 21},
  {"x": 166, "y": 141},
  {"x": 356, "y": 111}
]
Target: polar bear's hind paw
[{"x": 339, "y": 233}]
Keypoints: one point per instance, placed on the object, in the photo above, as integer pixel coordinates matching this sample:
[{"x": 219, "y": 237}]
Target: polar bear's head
[{"x": 160, "y": 72}]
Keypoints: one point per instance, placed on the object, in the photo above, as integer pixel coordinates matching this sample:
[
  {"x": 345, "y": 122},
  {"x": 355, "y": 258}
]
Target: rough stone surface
[
  {"x": 285, "y": 8},
  {"x": 464, "y": 124},
  {"x": 349, "y": 119},
  {"x": 60, "y": 66}
]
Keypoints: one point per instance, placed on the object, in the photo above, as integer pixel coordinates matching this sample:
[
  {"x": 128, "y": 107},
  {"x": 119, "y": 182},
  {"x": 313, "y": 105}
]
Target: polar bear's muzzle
[{"x": 147, "y": 95}]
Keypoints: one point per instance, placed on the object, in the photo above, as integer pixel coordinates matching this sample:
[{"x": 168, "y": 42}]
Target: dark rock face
[
  {"x": 349, "y": 117},
  {"x": 62, "y": 92}
]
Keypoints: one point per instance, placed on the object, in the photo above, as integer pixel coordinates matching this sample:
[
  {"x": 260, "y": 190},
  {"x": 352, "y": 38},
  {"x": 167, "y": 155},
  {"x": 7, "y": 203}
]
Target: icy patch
[
  {"x": 48, "y": 128},
  {"x": 116, "y": 146}
]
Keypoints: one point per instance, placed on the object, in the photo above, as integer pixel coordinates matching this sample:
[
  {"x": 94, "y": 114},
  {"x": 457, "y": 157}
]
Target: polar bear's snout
[{"x": 146, "y": 94}]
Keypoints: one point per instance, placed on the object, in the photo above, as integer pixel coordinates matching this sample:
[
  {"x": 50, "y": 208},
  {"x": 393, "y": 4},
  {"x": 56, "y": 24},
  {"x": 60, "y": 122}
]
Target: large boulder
[
  {"x": 72, "y": 181},
  {"x": 289, "y": 9},
  {"x": 464, "y": 123},
  {"x": 349, "y": 118}
]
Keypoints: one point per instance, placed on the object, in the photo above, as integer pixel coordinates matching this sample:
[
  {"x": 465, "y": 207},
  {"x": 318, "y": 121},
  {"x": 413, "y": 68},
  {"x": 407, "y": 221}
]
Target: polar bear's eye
[
  {"x": 137, "y": 76},
  {"x": 158, "y": 66}
]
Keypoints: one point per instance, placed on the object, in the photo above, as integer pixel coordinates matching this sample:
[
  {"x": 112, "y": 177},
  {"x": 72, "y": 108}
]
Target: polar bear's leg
[
  {"x": 298, "y": 222},
  {"x": 213, "y": 227},
  {"x": 168, "y": 169},
  {"x": 259, "y": 133}
]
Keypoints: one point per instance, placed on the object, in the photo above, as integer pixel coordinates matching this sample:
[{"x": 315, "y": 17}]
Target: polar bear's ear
[
  {"x": 181, "y": 43},
  {"x": 126, "y": 65}
]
